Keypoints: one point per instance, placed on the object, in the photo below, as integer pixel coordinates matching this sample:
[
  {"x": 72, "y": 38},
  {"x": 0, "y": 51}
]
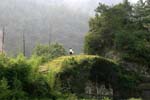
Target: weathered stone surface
[
  {"x": 145, "y": 88},
  {"x": 146, "y": 94}
]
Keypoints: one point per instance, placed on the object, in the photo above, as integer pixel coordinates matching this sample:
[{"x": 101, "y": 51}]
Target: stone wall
[
  {"x": 146, "y": 94},
  {"x": 93, "y": 88},
  {"x": 145, "y": 88}
]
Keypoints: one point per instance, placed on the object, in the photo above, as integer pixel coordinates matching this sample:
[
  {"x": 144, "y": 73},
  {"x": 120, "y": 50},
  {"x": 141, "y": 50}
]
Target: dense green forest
[
  {"x": 122, "y": 33},
  {"x": 115, "y": 64}
]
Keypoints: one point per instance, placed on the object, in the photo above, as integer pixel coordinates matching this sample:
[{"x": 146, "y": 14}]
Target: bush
[
  {"x": 4, "y": 90},
  {"x": 22, "y": 81},
  {"x": 38, "y": 88},
  {"x": 49, "y": 52}
]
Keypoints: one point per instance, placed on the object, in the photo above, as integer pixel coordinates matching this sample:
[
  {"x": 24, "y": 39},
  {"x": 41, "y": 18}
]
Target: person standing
[{"x": 71, "y": 52}]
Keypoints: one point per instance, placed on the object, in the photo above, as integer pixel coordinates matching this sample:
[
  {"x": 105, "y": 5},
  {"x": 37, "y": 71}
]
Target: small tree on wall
[{"x": 49, "y": 52}]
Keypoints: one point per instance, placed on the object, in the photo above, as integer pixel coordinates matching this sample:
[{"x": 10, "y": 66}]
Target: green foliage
[
  {"x": 51, "y": 80},
  {"x": 19, "y": 69},
  {"x": 49, "y": 52},
  {"x": 17, "y": 92},
  {"x": 4, "y": 90},
  {"x": 135, "y": 99},
  {"x": 105, "y": 98},
  {"x": 72, "y": 75},
  {"x": 4, "y": 60},
  {"x": 107, "y": 21},
  {"x": 134, "y": 46},
  {"x": 123, "y": 29},
  {"x": 72, "y": 97},
  {"x": 93, "y": 44},
  {"x": 141, "y": 14},
  {"x": 72, "y": 72},
  {"x": 38, "y": 88},
  {"x": 21, "y": 80}
]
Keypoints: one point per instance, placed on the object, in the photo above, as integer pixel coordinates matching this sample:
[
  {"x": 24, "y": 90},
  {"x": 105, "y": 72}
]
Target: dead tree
[
  {"x": 3, "y": 39},
  {"x": 24, "y": 45}
]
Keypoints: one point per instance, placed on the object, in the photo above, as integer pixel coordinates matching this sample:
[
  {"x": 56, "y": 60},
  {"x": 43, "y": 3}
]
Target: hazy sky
[
  {"x": 86, "y": 1},
  {"x": 103, "y": 1},
  {"x": 81, "y": 5},
  {"x": 90, "y": 5}
]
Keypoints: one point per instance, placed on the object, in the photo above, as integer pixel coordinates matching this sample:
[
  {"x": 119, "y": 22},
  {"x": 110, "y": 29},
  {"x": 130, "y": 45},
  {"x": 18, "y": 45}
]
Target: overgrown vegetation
[
  {"x": 49, "y": 52},
  {"x": 68, "y": 72},
  {"x": 121, "y": 32},
  {"x": 20, "y": 79},
  {"x": 119, "y": 50}
]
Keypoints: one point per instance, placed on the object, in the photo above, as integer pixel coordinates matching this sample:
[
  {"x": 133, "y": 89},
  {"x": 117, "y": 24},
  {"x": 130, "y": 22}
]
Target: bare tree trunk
[
  {"x": 3, "y": 39},
  {"x": 24, "y": 46}
]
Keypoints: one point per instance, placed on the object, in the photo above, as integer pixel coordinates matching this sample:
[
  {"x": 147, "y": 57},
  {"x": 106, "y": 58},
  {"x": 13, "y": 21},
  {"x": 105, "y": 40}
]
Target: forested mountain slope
[{"x": 37, "y": 20}]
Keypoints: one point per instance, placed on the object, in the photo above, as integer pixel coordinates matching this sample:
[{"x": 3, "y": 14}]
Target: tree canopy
[
  {"x": 121, "y": 32},
  {"x": 49, "y": 52}
]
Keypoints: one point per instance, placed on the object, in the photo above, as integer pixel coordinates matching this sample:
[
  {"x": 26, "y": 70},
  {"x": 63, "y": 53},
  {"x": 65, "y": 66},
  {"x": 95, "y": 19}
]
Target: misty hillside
[
  {"x": 63, "y": 21},
  {"x": 41, "y": 21}
]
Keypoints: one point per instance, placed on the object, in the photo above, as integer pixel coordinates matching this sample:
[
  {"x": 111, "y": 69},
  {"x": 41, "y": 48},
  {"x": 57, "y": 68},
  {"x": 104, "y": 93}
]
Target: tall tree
[
  {"x": 121, "y": 32},
  {"x": 142, "y": 14},
  {"x": 107, "y": 22}
]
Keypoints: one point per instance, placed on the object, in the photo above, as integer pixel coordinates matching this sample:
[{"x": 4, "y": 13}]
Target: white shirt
[{"x": 71, "y": 51}]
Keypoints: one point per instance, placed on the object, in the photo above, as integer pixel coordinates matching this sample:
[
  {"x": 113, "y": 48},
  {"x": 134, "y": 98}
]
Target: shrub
[
  {"x": 49, "y": 52},
  {"x": 4, "y": 90},
  {"x": 22, "y": 81}
]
